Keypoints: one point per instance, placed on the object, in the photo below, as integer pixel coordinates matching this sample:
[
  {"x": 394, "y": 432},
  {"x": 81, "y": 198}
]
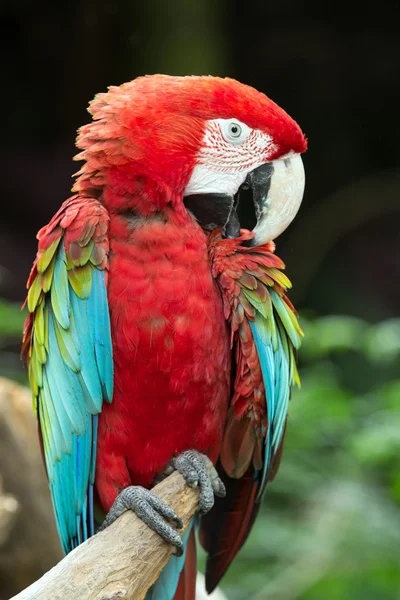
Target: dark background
[{"x": 335, "y": 68}]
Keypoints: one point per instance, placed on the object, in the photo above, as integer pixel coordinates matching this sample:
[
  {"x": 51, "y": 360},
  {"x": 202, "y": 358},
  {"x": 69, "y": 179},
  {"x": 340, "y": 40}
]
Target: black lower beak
[
  {"x": 250, "y": 201},
  {"x": 231, "y": 213}
]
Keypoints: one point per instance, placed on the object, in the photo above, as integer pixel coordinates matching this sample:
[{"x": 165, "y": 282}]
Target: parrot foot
[
  {"x": 198, "y": 470},
  {"x": 151, "y": 510}
]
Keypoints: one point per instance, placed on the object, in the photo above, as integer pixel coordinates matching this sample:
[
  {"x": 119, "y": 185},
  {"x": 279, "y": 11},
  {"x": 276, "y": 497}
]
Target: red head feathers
[{"x": 148, "y": 133}]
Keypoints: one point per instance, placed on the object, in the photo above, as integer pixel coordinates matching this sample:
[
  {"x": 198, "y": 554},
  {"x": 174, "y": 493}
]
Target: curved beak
[{"x": 277, "y": 190}]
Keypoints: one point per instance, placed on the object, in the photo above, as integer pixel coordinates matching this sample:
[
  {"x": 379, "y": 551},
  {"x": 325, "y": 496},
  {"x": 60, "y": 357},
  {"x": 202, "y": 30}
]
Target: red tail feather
[{"x": 226, "y": 527}]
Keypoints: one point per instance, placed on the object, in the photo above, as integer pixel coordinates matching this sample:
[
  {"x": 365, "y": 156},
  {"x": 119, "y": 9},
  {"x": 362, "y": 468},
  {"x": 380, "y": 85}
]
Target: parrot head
[{"x": 211, "y": 146}]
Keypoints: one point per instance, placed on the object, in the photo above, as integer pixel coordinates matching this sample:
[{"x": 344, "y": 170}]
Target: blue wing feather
[
  {"x": 99, "y": 321},
  {"x": 67, "y": 343},
  {"x": 70, "y": 401},
  {"x": 277, "y": 372}
]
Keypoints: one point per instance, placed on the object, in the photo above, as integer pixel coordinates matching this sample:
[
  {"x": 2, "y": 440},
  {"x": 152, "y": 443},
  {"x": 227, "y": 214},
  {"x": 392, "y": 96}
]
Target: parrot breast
[{"x": 171, "y": 352}]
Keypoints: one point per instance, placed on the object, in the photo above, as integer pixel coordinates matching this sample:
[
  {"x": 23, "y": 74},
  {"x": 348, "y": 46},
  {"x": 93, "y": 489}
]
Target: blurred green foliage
[
  {"x": 330, "y": 523},
  {"x": 11, "y": 325},
  {"x": 11, "y": 319}
]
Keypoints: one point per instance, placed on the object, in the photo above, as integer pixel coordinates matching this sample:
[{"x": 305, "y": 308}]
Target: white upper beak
[{"x": 283, "y": 199}]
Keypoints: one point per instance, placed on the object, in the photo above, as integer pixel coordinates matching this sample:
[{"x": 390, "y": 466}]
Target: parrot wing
[
  {"x": 265, "y": 338},
  {"x": 67, "y": 345}
]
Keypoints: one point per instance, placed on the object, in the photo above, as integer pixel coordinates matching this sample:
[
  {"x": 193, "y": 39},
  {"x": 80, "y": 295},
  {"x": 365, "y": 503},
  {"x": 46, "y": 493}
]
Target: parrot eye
[{"x": 233, "y": 131}]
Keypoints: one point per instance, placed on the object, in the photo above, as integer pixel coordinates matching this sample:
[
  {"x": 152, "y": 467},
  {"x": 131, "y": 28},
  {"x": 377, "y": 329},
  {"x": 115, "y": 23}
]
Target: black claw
[
  {"x": 178, "y": 546},
  {"x": 220, "y": 491},
  {"x": 192, "y": 479},
  {"x": 197, "y": 469}
]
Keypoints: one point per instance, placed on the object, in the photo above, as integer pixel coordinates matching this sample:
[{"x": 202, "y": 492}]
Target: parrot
[{"x": 159, "y": 335}]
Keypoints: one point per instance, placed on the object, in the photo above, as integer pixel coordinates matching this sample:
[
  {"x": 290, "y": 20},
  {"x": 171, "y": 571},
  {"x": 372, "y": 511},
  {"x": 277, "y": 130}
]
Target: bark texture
[{"x": 121, "y": 562}]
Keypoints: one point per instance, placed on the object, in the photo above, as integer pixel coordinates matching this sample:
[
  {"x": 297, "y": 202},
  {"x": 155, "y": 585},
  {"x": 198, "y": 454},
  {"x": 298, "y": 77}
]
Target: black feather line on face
[{"x": 211, "y": 210}]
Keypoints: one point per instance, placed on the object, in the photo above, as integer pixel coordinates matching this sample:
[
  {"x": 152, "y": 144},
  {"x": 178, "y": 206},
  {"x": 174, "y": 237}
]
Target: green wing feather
[
  {"x": 67, "y": 344},
  {"x": 266, "y": 336}
]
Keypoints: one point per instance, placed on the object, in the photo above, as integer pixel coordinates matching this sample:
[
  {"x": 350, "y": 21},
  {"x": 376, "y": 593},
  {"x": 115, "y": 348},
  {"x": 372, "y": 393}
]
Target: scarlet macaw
[{"x": 159, "y": 335}]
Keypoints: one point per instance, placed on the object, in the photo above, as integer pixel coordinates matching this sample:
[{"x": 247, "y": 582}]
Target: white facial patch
[
  {"x": 230, "y": 150},
  {"x": 206, "y": 181}
]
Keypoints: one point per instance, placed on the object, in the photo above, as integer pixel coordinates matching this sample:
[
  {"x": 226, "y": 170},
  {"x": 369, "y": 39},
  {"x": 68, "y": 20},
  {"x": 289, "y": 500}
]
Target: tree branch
[{"x": 121, "y": 562}]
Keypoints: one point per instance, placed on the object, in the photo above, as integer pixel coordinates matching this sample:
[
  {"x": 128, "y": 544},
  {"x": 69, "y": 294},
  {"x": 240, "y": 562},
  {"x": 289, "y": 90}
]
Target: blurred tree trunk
[{"x": 29, "y": 543}]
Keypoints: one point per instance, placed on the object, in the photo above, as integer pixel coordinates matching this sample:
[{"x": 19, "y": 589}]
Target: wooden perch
[{"x": 121, "y": 562}]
